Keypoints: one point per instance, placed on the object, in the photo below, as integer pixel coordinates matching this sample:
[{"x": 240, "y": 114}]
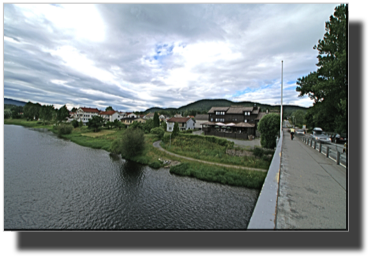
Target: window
[
  {"x": 220, "y": 113},
  {"x": 245, "y": 120},
  {"x": 211, "y": 119},
  {"x": 247, "y": 113}
]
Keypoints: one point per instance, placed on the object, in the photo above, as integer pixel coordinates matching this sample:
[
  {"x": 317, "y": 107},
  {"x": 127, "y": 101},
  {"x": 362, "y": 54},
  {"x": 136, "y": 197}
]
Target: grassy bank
[
  {"x": 207, "y": 149},
  {"x": 150, "y": 155}
]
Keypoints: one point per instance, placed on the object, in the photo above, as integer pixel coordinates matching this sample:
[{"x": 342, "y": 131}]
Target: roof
[
  {"x": 260, "y": 115},
  {"x": 178, "y": 119},
  {"x": 213, "y": 109},
  {"x": 201, "y": 117},
  {"x": 231, "y": 124},
  {"x": 90, "y": 110},
  {"x": 109, "y": 112},
  {"x": 239, "y": 110}
]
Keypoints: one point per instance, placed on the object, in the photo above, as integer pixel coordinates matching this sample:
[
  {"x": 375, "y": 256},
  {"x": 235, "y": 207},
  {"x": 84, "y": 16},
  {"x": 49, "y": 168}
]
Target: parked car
[
  {"x": 300, "y": 132},
  {"x": 319, "y": 135}
]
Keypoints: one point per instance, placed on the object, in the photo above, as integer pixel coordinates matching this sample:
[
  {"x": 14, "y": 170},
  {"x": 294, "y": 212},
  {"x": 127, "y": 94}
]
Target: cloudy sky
[{"x": 136, "y": 56}]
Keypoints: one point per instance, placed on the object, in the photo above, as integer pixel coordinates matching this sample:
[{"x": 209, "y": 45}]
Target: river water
[{"x": 51, "y": 183}]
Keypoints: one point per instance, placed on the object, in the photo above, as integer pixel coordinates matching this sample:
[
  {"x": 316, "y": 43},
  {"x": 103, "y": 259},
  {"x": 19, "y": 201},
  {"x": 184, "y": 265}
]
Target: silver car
[{"x": 319, "y": 135}]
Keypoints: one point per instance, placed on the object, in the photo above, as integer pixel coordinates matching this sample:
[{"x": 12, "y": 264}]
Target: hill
[
  {"x": 202, "y": 106},
  {"x": 14, "y": 102}
]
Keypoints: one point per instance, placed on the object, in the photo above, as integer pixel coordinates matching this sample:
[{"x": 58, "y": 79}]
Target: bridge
[{"x": 304, "y": 189}]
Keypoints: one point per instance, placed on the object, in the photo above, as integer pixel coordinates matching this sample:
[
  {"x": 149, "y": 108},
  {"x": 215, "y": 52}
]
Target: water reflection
[{"x": 50, "y": 183}]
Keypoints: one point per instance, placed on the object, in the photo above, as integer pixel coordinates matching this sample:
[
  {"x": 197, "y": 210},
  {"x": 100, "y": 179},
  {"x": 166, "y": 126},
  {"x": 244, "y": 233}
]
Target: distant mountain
[
  {"x": 206, "y": 104},
  {"x": 14, "y": 102}
]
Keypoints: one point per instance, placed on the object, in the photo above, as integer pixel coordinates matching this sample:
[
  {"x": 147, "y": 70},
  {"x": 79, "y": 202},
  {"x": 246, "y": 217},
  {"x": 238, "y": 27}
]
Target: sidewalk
[{"x": 312, "y": 189}]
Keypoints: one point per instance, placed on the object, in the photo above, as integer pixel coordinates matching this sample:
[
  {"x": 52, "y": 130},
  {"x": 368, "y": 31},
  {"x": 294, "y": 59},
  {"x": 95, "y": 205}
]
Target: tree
[
  {"x": 75, "y": 123},
  {"x": 159, "y": 131},
  {"x": 328, "y": 86},
  {"x": 156, "y": 120},
  {"x": 148, "y": 125},
  {"x": 109, "y": 108},
  {"x": 175, "y": 130},
  {"x": 95, "y": 123},
  {"x": 298, "y": 117},
  {"x": 46, "y": 112},
  {"x": 269, "y": 128},
  {"x": 136, "y": 124},
  {"x": 108, "y": 124},
  {"x": 74, "y": 109},
  {"x": 117, "y": 123},
  {"x": 164, "y": 125},
  {"x": 7, "y": 113},
  {"x": 62, "y": 114},
  {"x": 132, "y": 142}
]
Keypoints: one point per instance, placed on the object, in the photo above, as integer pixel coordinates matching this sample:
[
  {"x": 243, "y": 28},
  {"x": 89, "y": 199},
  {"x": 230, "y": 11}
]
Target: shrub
[
  {"x": 269, "y": 127},
  {"x": 64, "y": 129},
  {"x": 166, "y": 138},
  {"x": 159, "y": 131},
  {"x": 132, "y": 142},
  {"x": 155, "y": 165},
  {"x": 116, "y": 146},
  {"x": 175, "y": 130},
  {"x": 187, "y": 131},
  {"x": 258, "y": 152},
  {"x": 75, "y": 123}
]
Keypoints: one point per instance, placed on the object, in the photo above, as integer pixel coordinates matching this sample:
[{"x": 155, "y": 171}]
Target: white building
[
  {"x": 183, "y": 124},
  {"x": 84, "y": 114},
  {"x": 110, "y": 115}
]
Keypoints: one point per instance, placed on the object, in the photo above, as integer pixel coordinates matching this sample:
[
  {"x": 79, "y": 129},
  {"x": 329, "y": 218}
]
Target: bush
[
  {"x": 155, "y": 165},
  {"x": 269, "y": 128},
  {"x": 258, "y": 152},
  {"x": 116, "y": 146},
  {"x": 187, "y": 131},
  {"x": 75, "y": 123},
  {"x": 159, "y": 131},
  {"x": 64, "y": 129},
  {"x": 166, "y": 138},
  {"x": 132, "y": 143},
  {"x": 175, "y": 130}
]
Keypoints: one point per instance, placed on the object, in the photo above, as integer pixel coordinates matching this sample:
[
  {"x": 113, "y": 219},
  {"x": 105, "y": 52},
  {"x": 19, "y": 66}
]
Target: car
[
  {"x": 337, "y": 138},
  {"x": 300, "y": 132},
  {"x": 320, "y": 136}
]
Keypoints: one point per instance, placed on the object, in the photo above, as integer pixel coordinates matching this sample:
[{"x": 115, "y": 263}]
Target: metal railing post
[
  {"x": 337, "y": 158},
  {"x": 320, "y": 147},
  {"x": 327, "y": 151}
]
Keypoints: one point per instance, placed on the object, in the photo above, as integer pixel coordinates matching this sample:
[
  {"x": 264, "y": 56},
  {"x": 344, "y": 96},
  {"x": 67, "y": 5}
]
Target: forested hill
[
  {"x": 14, "y": 102},
  {"x": 202, "y": 106}
]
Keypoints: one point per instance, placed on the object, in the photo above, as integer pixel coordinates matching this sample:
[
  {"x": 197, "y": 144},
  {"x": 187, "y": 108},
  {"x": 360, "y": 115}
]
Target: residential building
[
  {"x": 199, "y": 119},
  {"x": 110, "y": 115},
  {"x": 85, "y": 113},
  {"x": 234, "y": 122},
  {"x": 183, "y": 124}
]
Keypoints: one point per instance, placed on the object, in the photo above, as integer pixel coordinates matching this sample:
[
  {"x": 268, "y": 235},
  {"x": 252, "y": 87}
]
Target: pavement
[{"x": 312, "y": 189}]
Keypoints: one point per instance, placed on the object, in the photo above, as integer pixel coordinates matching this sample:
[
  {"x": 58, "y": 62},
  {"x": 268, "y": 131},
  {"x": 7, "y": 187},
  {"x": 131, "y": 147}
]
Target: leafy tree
[
  {"x": 109, "y": 108},
  {"x": 109, "y": 124},
  {"x": 62, "y": 114},
  {"x": 136, "y": 124},
  {"x": 159, "y": 131},
  {"x": 80, "y": 123},
  {"x": 299, "y": 117},
  {"x": 328, "y": 86},
  {"x": 7, "y": 113},
  {"x": 148, "y": 125},
  {"x": 46, "y": 113},
  {"x": 175, "y": 130},
  {"x": 16, "y": 112},
  {"x": 75, "y": 123},
  {"x": 95, "y": 123},
  {"x": 132, "y": 142},
  {"x": 117, "y": 123},
  {"x": 269, "y": 128},
  {"x": 74, "y": 109},
  {"x": 156, "y": 120},
  {"x": 164, "y": 125}
]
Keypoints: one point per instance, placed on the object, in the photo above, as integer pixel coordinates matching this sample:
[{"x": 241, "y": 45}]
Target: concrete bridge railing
[{"x": 264, "y": 213}]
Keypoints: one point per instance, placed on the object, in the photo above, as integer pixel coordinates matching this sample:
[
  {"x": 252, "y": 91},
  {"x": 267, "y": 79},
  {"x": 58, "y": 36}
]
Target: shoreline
[{"x": 206, "y": 171}]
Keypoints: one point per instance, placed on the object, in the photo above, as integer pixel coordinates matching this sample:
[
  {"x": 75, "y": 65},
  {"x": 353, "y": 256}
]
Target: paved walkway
[
  {"x": 312, "y": 189},
  {"x": 158, "y": 146}
]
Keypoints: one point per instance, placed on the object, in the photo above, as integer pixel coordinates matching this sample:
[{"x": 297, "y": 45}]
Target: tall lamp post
[{"x": 282, "y": 64}]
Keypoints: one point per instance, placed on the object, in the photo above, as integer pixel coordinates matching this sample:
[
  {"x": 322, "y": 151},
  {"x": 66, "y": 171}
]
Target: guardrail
[
  {"x": 325, "y": 149},
  {"x": 264, "y": 213}
]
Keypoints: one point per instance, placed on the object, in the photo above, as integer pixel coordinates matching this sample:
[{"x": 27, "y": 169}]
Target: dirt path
[{"x": 158, "y": 146}]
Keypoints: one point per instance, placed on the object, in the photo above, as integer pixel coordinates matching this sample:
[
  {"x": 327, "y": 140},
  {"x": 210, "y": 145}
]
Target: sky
[{"x": 136, "y": 56}]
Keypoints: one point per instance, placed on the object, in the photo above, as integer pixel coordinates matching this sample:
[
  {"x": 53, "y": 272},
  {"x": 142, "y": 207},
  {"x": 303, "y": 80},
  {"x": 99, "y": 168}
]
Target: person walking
[{"x": 291, "y": 133}]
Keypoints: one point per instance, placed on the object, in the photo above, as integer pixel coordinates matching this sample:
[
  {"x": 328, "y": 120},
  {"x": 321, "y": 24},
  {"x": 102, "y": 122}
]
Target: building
[
  {"x": 233, "y": 122},
  {"x": 199, "y": 119},
  {"x": 183, "y": 124},
  {"x": 110, "y": 115},
  {"x": 84, "y": 114}
]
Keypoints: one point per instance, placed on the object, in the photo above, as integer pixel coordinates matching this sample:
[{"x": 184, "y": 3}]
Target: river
[{"x": 51, "y": 183}]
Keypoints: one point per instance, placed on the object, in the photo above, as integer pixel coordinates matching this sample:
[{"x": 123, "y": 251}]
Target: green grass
[{"x": 203, "y": 149}]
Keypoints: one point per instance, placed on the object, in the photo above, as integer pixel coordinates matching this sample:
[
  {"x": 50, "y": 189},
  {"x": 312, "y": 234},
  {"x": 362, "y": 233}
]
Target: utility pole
[{"x": 282, "y": 64}]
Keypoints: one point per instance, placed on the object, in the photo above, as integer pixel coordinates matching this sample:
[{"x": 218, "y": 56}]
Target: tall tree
[
  {"x": 109, "y": 108},
  {"x": 46, "y": 112},
  {"x": 175, "y": 130},
  {"x": 328, "y": 86},
  {"x": 156, "y": 120},
  {"x": 62, "y": 114},
  {"x": 269, "y": 128}
]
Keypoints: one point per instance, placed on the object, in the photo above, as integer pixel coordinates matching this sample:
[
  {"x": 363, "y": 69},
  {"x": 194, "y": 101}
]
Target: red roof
[
  {"x": 178, "y": 119},
  {"x": 90, "y": 110},
  {"x": 109, "y": 112}
]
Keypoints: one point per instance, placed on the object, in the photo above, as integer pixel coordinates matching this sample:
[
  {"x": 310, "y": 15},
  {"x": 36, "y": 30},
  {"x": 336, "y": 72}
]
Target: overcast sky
[{"x": 137, "y": 56}]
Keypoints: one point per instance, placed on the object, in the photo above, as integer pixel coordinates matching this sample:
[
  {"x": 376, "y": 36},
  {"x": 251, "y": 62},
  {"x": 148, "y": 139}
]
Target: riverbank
[{"x": 154, "y": 157}]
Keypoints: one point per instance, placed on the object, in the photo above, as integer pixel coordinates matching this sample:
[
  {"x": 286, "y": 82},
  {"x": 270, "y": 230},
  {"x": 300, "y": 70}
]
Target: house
[
  {"x": 129, "y": 118},
  {"x": 183, "y": 123},
  {"x": 199, "y": 119},
  {"x": 233, "y": 122},
  {"x": 85, "y": 113},
  {"x": 149, "y": 116},
  {"x": 110, "y": 115}
]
